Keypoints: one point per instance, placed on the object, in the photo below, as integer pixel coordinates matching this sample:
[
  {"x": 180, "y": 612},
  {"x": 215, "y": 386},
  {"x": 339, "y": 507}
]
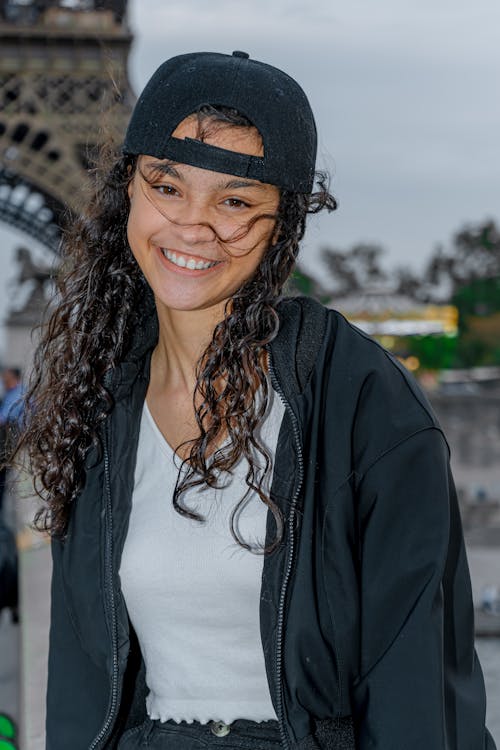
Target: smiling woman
[{"x": 256, "y": 538}]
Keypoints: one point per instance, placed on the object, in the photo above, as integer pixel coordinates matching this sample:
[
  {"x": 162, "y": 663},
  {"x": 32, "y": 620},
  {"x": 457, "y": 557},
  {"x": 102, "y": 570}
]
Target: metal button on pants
[{"x": 219, "y": 728}]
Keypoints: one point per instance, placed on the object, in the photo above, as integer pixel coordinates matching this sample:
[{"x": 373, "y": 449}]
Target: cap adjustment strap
[{"x": 204, "y": 155}]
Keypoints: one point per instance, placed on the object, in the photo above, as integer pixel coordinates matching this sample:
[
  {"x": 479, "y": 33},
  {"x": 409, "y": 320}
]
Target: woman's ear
[
  {"x": 130, "y": 188},
  {"x": 276, "y": 234},
  {"x": 131, "y": 174}
]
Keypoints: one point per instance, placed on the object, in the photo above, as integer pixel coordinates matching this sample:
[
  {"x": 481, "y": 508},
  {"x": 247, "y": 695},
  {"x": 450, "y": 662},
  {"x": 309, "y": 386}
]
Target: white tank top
[{"x": 192, "y": 593}]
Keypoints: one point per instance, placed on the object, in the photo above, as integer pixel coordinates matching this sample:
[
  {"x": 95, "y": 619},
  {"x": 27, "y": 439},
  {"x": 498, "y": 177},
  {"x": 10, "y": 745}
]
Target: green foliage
[
  {"x": 434, "y": 352},
  {"x": 480, "y": 297},
  {"x": 478, "y": 305},
  {"x": 7, "y": 727},
  {"x": 472, "y": 353},
  {"x": 7, "y": 733},
  {"x": 302, "y": 283}
]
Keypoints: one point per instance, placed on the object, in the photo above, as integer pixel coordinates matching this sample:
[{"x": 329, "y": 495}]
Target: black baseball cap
[{"x": 265, "y": 95}]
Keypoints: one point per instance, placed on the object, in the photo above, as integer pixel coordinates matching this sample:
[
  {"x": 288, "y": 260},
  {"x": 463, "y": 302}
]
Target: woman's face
[{"x": 191, "y": 229}]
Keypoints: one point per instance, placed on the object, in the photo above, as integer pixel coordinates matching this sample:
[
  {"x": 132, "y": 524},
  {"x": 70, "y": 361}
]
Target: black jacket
[{"x": 366, "y": 611}]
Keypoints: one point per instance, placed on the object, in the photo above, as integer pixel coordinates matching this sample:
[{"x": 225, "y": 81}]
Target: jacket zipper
[
  {"x": 289, "y": 563},
  {"x": 112, "y": 607}
]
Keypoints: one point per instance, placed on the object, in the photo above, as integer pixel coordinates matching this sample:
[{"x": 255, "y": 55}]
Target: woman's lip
[{"x": 170, "y": 266}]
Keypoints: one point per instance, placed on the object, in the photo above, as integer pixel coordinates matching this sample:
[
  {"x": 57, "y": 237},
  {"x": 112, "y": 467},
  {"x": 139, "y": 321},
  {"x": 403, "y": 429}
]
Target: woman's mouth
[{"x": 186, "y": 261}]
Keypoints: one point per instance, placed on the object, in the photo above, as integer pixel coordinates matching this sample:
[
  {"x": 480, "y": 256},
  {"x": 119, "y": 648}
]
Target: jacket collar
[
  {"x": 138, "y": 357},
  {"x": 295, "y": 348}
]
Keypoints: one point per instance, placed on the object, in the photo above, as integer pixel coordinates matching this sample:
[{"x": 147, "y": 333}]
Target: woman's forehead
[{"x": 241, "y": 139}]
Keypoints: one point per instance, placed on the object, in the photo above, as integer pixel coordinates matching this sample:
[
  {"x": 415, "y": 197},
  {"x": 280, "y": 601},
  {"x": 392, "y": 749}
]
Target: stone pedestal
[{"x": 22, "y": 331}]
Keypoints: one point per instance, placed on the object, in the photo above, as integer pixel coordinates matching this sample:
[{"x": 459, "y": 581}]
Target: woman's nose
[
  {"x": 193, "y": 223},
  {"x": 192, "y": 234}
]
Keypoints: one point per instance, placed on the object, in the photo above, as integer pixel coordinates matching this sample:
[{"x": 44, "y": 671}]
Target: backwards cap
[{"x": 265, "y": 95}]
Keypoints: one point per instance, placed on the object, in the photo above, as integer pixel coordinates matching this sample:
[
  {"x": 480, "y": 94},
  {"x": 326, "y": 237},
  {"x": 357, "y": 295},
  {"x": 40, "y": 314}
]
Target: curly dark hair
[{"x": 89, "y": 332}]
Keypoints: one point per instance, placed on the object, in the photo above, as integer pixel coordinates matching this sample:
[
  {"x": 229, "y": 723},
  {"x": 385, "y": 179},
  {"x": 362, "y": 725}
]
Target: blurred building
[
  {"x": 64, "y": 90},
  {"x": 419, "y": 334},
  {"x": 382, "y": 312}
]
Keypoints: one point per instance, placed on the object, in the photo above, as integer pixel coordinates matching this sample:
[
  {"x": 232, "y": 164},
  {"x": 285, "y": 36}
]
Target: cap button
[{"x": 239, "y": 53}]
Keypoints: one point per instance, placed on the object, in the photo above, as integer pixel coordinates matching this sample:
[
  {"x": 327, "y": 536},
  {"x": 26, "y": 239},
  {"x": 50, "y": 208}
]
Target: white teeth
[{"x": 192, "y": 264}]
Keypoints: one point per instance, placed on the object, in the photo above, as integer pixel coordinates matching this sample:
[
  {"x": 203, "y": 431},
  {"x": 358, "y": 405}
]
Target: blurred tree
[
  {"x": 479, "y": 298},
  {"x": 407, "y": 282},
  {"x": 356, "y": 268},
  {"x": 478, "y": 306},
  {"x": 474, "y": 254},
  {"x": 466, "y": 273},
  {"x": 434, "y": 352},
  {"x": 302, "y": 283}
]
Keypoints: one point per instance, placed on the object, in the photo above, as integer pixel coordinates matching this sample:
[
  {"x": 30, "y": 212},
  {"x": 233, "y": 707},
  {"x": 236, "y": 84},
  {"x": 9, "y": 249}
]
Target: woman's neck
[{"x": 183, "y": 337}]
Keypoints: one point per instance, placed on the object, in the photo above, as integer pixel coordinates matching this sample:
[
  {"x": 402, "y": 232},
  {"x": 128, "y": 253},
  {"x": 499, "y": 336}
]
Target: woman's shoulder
[
  {"x": 372, "y": 367},
  {"x": 362, "y": 385},
  {"x": 387, "y": 406}
]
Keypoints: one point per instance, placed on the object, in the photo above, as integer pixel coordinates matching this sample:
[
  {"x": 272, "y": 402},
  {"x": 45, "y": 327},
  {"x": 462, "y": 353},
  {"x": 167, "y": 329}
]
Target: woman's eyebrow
[
  {"x": 165, "y": 167},
  {"x": 237, "y": 184},
  {"x": 168, "y": 168}
]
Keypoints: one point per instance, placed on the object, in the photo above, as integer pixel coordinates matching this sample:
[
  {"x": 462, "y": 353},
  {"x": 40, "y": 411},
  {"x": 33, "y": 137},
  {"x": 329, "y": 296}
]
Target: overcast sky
[{"x": 405, "y": 95}]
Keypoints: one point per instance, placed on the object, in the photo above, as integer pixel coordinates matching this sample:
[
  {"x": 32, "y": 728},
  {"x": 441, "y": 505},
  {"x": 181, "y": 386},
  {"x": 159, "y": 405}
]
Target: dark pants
[{"x": 242, "y": 735}]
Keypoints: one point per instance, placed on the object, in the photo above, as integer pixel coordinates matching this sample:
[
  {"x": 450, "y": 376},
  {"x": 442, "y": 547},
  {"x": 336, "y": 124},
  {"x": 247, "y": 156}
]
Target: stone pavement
[
  {"x": 35, "y": 567},
  {"x": 23, "y": 666},
  {"x": 488, "y": 650},
  {"x": 9, "y": 644}
]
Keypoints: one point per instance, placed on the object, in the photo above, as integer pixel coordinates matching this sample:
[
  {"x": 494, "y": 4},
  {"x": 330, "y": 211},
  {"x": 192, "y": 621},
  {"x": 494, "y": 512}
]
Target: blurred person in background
[
  {"x": 9, "y": 590},
  {"x": 11, "y": 415},
  {"x": 255, "y": 534}
]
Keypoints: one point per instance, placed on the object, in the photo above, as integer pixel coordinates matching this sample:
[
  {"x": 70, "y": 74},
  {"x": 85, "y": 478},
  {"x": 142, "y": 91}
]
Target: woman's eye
[
  {"x": 235, "y": 203},
  {"x": 165, "y": 189}
]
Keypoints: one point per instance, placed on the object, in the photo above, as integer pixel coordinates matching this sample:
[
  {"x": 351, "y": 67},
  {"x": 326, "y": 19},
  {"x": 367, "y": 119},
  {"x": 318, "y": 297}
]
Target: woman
[{"x": 256, "y": 540}]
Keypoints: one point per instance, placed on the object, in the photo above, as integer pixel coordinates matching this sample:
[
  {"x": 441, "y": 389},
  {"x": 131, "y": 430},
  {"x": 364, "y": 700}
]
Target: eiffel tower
[
  {"x": 63, "y": 90},
  {"x": 62, "y": 64}
]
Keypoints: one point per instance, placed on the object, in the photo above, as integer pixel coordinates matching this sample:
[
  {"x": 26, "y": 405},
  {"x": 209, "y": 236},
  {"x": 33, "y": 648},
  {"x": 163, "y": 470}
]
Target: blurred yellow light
[
  {"x": 412, "y": 363},
  {"x": 387, "y": 341}
]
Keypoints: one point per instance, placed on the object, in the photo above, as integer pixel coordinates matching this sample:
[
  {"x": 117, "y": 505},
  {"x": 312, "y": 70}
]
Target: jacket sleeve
[
  {"x": 420, "y": 684},
  {"x": 77, "y": 690}
]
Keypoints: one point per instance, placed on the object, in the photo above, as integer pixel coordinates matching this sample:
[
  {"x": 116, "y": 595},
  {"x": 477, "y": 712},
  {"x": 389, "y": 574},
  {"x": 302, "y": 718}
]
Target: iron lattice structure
[{"x": 63, "y": 89}]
